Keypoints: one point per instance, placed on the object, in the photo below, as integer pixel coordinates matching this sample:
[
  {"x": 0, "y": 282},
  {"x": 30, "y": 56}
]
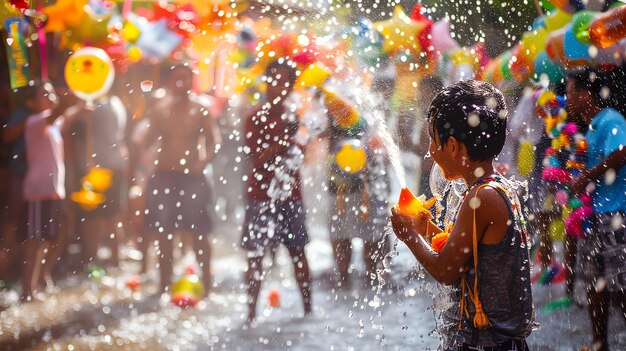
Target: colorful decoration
[
  {"x": 17, "y": 54},
  {"x": 64, "y": 14},
  {"x": 351, "y": 156},
  {"x": 441, "y": 39},
  {"x": 343, "y": 113},
  {"x": 566, "y": 141},
  {"x": 525, "y": 158},
  {"x": 400, "y": 32},
  {"x": 7, "y": 11},
  {"x": 188, "y": 290},
  {"x": 313, "y": 76}
]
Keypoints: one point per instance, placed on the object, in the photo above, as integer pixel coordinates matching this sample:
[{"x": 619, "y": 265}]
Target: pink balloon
[
  {"x": 561, "y": 197},
  {"x": 441, "y": 39}
]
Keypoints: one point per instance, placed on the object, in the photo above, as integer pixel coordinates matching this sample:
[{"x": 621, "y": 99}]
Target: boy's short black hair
[
  {"x": 590, "y": 80},
  {"x": 474, "y": 113}
]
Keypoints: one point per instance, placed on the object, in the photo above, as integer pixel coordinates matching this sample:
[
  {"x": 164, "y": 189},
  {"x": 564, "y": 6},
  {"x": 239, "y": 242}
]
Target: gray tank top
[{"x": 504, "y": 286}]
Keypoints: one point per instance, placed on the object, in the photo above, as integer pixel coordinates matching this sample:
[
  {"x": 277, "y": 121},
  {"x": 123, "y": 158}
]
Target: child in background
[
  {"x": 44, "y": 187},
  {"x": 603, "y": 250},
  {"x": 486, "y": 257}
]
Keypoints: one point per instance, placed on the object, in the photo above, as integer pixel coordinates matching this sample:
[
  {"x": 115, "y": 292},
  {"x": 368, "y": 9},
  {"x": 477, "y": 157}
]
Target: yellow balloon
[
  {"x": 557, "y": 229},
  {"x": 130, "y": 32},
  {"x": 534, "y": 42},
  {"x": 189, "y": 284},
  {"x": 99, "y": 179},
  {"x": 557, "y": 20},
  {"x": 525, "y": 158},
  {"x": 135, "y": 54},
  {"x": 313, "y": 76},
  {"x": 87, "y": 199},
  {"x": 89, "y": 73},
  {"x": 351, "y": 157}
]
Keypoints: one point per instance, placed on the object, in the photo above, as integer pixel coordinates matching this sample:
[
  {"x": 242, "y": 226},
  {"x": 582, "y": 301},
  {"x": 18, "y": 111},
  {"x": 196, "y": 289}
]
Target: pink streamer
[{"x": 43, "y": 47}]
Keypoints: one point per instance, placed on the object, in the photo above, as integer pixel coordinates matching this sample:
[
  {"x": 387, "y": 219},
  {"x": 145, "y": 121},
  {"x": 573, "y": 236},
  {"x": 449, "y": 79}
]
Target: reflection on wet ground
[{"x": 105, "y": 315}]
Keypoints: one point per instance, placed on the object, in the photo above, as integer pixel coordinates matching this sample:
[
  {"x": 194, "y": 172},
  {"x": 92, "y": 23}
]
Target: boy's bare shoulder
[{"x": 486, "y": 198}]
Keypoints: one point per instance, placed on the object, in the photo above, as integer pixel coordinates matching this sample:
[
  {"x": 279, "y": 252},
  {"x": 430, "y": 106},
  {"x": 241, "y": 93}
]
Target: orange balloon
[
  {"x": 273, "y": 298},
  {"x": 609, "y": 27}
]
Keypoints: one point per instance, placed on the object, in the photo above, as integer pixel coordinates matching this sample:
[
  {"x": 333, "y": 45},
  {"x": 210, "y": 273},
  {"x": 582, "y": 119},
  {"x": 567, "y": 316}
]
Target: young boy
[
  {"x": 274, "y": 213},
  {"x": 44, "y": 187},
  {"x": 488, "y": 239},
  {"x": 603, "y": 250}
]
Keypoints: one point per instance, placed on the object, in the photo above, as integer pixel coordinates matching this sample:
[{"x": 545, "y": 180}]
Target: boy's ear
[{"x": 453, "y": 146}]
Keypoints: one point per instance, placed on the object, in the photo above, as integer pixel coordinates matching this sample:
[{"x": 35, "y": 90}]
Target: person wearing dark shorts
[
  {"x": 178, "y": 202},
  {"x": 267, "y": 225},
  {"x": 178, "y": 195},
  {"x": 274, "y": 212}
]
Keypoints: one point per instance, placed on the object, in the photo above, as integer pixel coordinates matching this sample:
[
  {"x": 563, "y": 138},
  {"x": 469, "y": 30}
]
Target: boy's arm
[
  {"x": 448, "y": 266},
  {"x": 614, "y": 161}
]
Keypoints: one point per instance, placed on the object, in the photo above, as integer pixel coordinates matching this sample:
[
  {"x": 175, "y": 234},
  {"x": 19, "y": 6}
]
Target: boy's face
[
  {"x": 446, "y": 156},
  {"x": 577, "y": 100},
  {"x": 181, "y": 81}
]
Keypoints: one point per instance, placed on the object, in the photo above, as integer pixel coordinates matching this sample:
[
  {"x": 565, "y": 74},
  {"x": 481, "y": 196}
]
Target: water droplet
[
  {"x": 473, "y": 120},
  {"x": 474, "y": 203},
  {"x": 610, "y": 176}
]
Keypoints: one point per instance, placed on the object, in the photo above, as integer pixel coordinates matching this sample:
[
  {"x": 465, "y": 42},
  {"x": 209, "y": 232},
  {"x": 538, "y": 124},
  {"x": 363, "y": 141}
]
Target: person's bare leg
[
  {"x": 165, "y": 258},
  {"x": 254, "y": 278},
  {"x": 48, "y": 251},
  {"x": 303, "y": 276},
  {"x": 599, "y": 315},
  {"x": 90, "y": 236},
  {"x": 342, "y": 251},
  {"x": 29, "y": 269},
  {"x": 542, "y": 222},
  {"x": 570, "y": 262},
  {"x": 144, "y": 242},
  {"x": 202, "y": 247}
]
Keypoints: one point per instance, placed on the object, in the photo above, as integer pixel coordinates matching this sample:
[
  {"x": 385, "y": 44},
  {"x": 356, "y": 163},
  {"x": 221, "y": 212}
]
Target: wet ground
[{"x": 105, "y": 315}]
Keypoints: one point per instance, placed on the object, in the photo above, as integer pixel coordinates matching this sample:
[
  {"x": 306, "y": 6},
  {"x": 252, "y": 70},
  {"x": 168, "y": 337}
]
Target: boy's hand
[
  {"x": 407, "y": 227},
  {"x": 578, "y": 185}
]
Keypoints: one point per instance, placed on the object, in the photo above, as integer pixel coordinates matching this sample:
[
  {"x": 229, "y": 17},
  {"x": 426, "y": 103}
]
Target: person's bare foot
[{"x": 30, "y": 297}]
